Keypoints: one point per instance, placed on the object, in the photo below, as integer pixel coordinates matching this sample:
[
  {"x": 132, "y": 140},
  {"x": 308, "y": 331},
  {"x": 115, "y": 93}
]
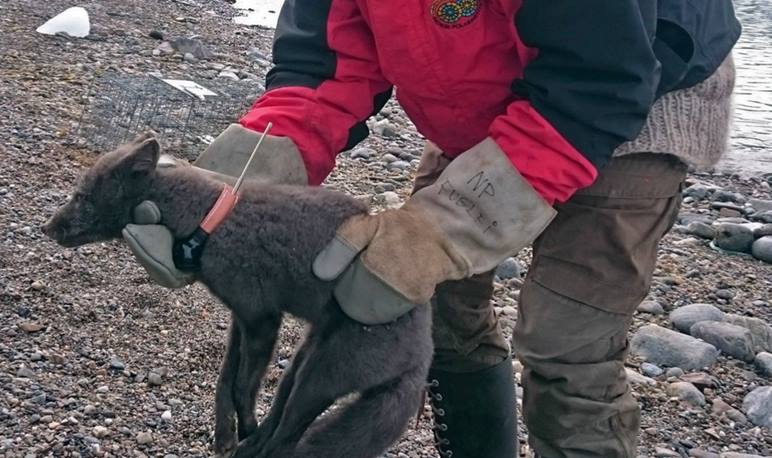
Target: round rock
[
  {"x": 697, "y": 191},
  {"x": 763, "y": 363},
  {"x": 758, "y": 406},
  {"x": 734, "y": 237},
  {"x": 686, "y": 392},
  {"x": 364, "y": 153},
  {"x": 763, "y": 230},
  {"x": 651, "y": 370},
  {"x": 674, "y": 372},
  {"x": 761, "y": 332},
  {"x": 652, "y": 307},
  {"x": 683, "y": 318},
  {"x": 510, "y": 268},
  {"x": 762, "y": 249},
  {"x": 731, "y": 339},
  {"x": 144, "y": 438},
  {"x": 700, "y": 229},
  {"x": 664, "y": 347},
  {"x": 117, "y": 364}
]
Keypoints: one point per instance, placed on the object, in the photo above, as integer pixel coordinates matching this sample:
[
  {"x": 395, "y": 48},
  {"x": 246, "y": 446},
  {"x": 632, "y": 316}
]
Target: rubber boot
[{"x": 475, "y": 414}]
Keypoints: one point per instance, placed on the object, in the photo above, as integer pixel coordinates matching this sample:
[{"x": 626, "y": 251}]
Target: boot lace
[{"x": 438, "y": 427}]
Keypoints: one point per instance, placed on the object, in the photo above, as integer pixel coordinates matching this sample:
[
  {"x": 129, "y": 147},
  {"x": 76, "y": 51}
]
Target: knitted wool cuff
[{"x": 692, "y": 124}]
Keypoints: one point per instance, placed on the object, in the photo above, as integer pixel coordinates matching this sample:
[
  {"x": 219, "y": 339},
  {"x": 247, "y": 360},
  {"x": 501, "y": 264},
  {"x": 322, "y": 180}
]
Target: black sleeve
[{"x": 595, "y": 76}]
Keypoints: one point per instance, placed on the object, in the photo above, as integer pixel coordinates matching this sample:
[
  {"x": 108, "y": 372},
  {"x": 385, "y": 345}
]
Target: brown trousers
[{"x": 591, "y": 268}]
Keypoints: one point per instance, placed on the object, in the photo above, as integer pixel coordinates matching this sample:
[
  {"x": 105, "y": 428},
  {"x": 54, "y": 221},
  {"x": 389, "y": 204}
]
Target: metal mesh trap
[{"x": 185, "y": 114}]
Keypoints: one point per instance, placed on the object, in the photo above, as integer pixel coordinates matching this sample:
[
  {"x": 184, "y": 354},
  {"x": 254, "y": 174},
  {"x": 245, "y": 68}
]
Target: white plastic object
[{"x": 72, "y": 21}]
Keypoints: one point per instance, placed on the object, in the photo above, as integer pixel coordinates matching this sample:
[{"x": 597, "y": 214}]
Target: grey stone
[
  {"x": 190, "y": 58},
  {"x": 662, "y": 452},
  {"x": 761, "y": 205},
  {"x": 724, "y": 294},
  {"x": 100, "y": 432},
  {"x": 758, "y": 406},
  {"x": 731, "y": 339},
  {"x": 651, "y": 370},
  {"x": 762, "y": 249},
  {"x": 637, "y": 379},
  {"x": 674, "y": 372},
  {"x": 700, "y": 453},
  {"x": 364, "y": 153},
  {"x": 228, "y": 74},
  {"x": 703, "y": 230},
  {"x": 683, "y": 318},
  {"x": 728, "y": 196},
  {"x": 25, "y": 372},
  {"x": 117, "y": 364},
  {"x": 664, "y": 347},
  {"x": 154, "y": 379},
  {"x": 510, "y": 268},
  {"x": 688, "y": 218},
  {"x": 764, "y": 216},
  {"x": 734, "y": 237},
  {"x": 686, "y": 392},
  {"x": 399, "y": 165},
  {"x": 737, "y": 416},
  {"x": 389, "y": 158},
  {"x": 763, "y": 363},
  {"x": 144, "y": 438},
  {"x": 192, "y": 46},
  {"x": 257, "y": 55},
  {"x": 652, "y": 307},
  {"x": 739, "y": 455},
  {"x": 761, "y": 231},
  {"x": 738, "y": 209},
  {"x": 697, "y": 191},
  {"x": 728, "y": 220},
  {"x": 761, "y": 332},
  {"x": 384, "y": 128}
]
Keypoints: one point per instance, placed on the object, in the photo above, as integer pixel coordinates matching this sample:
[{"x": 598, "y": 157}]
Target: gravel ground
[{"x": 97, "y": 361}]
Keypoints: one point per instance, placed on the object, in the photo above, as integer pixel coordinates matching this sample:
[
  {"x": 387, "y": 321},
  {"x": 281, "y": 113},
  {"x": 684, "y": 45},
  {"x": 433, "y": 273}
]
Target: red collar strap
[
  {"x": 186, "y": 252},
  {"x": 221, "y": 209}
]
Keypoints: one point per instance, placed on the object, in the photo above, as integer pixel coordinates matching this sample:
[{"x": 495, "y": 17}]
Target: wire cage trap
[{"x": 184, "y": 113}]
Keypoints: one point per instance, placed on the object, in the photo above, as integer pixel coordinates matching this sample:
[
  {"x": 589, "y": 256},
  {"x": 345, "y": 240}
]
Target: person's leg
[
  {"x": 592, "y": 266},
  {"x": 471, "y": 383}
]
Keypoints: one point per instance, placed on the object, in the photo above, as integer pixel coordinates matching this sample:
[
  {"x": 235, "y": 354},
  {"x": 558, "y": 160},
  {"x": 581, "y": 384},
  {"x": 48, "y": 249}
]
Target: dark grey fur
[{"x": 258, "y": 262}]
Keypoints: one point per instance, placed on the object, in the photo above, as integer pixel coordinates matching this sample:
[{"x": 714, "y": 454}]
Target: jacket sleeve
[
  {"x": 325, "y": 82},
  {"x": 588, "y": 89}
]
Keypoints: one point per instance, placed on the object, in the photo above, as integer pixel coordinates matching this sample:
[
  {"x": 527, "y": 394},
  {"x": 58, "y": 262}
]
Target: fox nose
[
  {"x": 46, "y": 229},
  {"x": 54, "y": 229}
]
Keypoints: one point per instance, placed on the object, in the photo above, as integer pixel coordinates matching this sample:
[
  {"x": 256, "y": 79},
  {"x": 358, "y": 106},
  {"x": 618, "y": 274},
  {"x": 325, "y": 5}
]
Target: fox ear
[
  {"x": 146, "y": 156},
  {"x": 142, "y": 158}
]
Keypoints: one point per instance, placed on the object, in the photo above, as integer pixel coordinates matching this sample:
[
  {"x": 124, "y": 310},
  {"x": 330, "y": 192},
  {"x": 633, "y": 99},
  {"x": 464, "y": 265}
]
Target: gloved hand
[
  {"x": 278, "y": 161},
  {"x": 479, "y": 212}
]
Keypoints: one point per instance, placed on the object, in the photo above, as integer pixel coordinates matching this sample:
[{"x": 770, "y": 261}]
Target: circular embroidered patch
[{"x": 454, "y": 13}]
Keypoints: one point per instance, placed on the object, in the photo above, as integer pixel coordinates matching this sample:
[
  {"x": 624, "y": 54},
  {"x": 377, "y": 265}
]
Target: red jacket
[{"x": 557, "y": 84}]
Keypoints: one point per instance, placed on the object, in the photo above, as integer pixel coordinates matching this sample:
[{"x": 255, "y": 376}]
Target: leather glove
[
  {"x": 278, "y": 161},
  {"x": 479, "y": 212}
]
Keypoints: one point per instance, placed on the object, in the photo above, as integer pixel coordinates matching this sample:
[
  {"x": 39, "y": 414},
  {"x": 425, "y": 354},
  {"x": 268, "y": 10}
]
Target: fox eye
[{"x": 79, "y": 196}]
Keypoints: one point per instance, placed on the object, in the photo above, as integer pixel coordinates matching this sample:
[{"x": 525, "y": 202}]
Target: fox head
[{"x": 106, "y": 194}]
